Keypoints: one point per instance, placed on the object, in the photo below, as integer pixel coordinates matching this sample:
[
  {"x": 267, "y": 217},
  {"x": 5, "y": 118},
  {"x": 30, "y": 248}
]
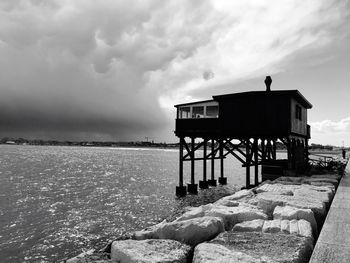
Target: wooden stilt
[
  {"x": 181, "y": 189},
  {"x": 247, "y": 182},
  {"x": 256, "y": 157},
  {"x": 274, "y": 149},
  {"x": 192, "y": 161},
  {"x": 212, "y": 181},
  {"x": 222, "y": 179},
  {"x": 181, "y": 167},
  {"x": 192, "y": 187},
  {"x": 204, "y": 184},
  {"x": 263, "y": 150}
]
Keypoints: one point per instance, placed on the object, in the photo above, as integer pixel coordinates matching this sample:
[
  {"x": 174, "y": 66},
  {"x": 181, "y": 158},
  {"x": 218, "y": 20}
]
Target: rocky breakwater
[{"x": 277, "y": 221}]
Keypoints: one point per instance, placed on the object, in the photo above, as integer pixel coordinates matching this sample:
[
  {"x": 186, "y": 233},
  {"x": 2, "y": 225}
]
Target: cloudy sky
[{"x": 113, "y": 69}]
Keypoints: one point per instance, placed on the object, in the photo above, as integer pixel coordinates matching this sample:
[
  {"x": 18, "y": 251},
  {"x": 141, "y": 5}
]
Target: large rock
[
  {"x": 272, "y": 226},
  {"x": 151, "y": 250},
  {"x": 312, "y": 180},
  {"x": 324, "y": 193},
  {"x": 242, "y": 194},
  {"x": 328, "y": 176},
  {"x": 249, "y": 226},
  {"x": 290, "y": 212},
  {"x": 296, "y": 227},
  {"x": 192, "y": 231},
  {"x": 277, "y": 188},
  {"x": 212, "y": 253},
  {"x": 287, "y": 180},
  {"x": 267, "y": 201},
  {"x": 264, "y": 247},
  {"x": 229, "y": 215}
]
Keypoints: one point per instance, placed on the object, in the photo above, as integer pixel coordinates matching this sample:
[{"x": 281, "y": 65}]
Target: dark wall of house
[{"x": 265, "y": 115}]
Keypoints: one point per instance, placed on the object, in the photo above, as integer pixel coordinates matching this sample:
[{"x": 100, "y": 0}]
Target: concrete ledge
[{"x": 333, "y": 244}]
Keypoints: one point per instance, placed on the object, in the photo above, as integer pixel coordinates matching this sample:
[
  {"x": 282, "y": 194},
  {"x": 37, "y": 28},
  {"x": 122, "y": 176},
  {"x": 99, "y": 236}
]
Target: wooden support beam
[
  {"x": 192, "y": 160},
  {"x": 221, "y": 158},
  {"x": 256, "y": 160},
  {"x": 212, "y": 160},
  {"x": 181, "y": 169},
  {"x": 205, "y": 160},
  {"x": 234, "y": 154},
  {"x": 247, "y": 167},
  {"x": 236, "y": 147},
  {"x": 263, "y": 150},
  {"x": 186, "y": 146},
  {"x": 200, "y": 159},
  {"x": 181, "y": 189},
  {"x": 194, "y": 149}
]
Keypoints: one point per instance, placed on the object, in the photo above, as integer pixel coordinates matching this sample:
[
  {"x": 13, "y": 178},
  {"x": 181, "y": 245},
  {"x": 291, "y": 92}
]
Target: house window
[
  {"x": 198, "y": 112},
  {"x": 212, "y": 112},
  {"x": 185, "y": 113},
  {"x": 298, "y": 112}
]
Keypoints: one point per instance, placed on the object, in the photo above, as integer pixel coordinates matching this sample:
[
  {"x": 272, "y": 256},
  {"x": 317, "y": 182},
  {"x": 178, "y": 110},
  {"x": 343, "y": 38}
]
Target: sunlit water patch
[{"x": 56, "y": 202}]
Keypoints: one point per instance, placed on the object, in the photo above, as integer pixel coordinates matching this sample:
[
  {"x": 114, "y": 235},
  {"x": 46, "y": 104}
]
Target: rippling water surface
[{"x": 57, "y": 201}]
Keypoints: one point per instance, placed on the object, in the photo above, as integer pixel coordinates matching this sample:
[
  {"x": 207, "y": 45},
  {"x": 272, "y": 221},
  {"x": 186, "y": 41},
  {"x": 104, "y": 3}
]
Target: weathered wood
[
  {"x": 221, "y": 159},
  {"x": 212, "y": 160},
  {"x": 193, "y": 150},
  {"x": 192, "y": 160},
  {"x": 181, "y": 180},
  {"x": 205, "y": 160},
  {"x": 200, "y": 159},
  {"x": 247, "y": 167},
  {"x": 256, "y": 157}
]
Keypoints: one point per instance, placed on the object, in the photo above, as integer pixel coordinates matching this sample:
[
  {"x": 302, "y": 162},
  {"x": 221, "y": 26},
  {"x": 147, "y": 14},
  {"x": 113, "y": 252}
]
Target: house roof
[
  {"x": 290, "y": 93},
  {"x": 193, "y": 103}
]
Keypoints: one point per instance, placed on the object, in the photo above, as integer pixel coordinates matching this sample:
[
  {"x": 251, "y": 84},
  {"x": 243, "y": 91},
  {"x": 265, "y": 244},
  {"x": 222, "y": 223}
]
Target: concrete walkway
[{"x": 333, "y": 244}]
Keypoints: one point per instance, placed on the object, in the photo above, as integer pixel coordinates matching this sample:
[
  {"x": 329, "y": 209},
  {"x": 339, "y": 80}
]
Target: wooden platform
[{"x": 333, "y": 244}]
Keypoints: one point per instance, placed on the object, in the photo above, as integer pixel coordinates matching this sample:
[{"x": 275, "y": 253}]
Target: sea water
[{"x": 56, "y": 202}]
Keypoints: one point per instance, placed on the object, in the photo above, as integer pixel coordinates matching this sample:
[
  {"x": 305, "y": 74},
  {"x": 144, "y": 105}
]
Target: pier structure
[{"x": 248, "y": 126}]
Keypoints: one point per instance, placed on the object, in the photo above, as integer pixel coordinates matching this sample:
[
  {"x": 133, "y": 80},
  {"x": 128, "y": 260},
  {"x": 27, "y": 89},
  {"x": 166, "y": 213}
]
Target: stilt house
[{"x": 257, "y": 120}]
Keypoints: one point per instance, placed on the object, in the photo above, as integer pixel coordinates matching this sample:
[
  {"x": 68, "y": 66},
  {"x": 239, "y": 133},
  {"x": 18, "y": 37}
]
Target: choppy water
[{"x": 57, "y": 201}]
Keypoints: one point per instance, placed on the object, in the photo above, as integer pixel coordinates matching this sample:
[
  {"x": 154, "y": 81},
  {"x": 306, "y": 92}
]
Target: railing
[{"x": 325, "y": 162}]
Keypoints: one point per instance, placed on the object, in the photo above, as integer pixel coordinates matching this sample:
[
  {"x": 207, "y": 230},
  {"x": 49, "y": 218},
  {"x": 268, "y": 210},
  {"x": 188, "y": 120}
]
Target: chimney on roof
[{"x": 268, "y": 82}]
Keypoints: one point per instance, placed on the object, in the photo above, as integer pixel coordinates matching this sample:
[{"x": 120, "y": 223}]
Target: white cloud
[
  {"x": 128, "y": 62},
  {"x": 331, "y": 127}
]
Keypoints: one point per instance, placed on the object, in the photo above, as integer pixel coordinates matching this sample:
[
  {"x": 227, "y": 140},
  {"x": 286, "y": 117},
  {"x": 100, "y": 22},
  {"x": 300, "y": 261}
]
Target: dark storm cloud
[{"x": 114, "y": 69}]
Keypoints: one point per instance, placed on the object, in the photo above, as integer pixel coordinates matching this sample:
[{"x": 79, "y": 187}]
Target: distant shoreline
[{"x": 132, "y": 144}]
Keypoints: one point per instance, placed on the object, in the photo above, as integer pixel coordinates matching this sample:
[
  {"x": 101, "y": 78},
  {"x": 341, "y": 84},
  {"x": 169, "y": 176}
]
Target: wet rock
[
  {"x": 83, "y": 257},
  {"x": 151, "y": 250},
  {"x": 268, "y": 201},
  {"x": 149, "y": 232},
  {"x": 266, "y": 247},
  {"x": 285, "y": 226},
  {"x": 277, "y": 188},
  {"x": 287, "y": 180},
  {"x": 334, "y": 182},
  {"x": 331, "y": 176},
  {"x": 305, "y": 229},
  {"x": 294, "y": 227},
  {"x": 272, "y": 226},
  {"x": 289, "y": 212},
  {"x": 191, "y": 231},
  {"x": 242, "y": 194},
  {"x": 212, "y": 253},
  {"x": 229, "y": 215},
  {"x": 249, "y": 226}
]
